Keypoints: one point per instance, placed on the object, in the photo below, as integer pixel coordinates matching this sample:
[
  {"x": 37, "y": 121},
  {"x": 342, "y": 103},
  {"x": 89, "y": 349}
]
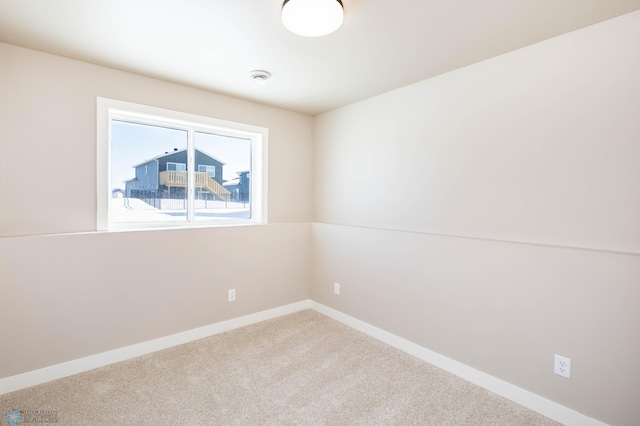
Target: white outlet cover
[
  {"x": 336, "y": 288},
  {"x": 232, "y": 295},
  {"x": 562, "y": 366}
]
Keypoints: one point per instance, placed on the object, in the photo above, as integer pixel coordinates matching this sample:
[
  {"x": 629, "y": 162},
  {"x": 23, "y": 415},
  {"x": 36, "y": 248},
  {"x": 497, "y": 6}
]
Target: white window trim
[{"x": 110, "y": 109}]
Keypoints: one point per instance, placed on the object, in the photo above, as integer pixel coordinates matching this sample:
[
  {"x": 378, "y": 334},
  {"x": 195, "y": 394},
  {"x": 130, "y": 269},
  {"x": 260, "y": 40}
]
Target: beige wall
[
  {"x": 73, "y": 295},
  {"x": 48, "y": 128},
  {"x": 491, "y": 215}
]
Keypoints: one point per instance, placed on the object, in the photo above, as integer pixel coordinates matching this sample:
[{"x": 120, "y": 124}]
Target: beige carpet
[{"x": 301, "y": 369}]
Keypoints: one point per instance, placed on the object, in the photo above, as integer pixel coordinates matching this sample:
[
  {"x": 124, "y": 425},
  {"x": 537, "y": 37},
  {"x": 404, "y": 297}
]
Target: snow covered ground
[{"x": 135, "y": 210}]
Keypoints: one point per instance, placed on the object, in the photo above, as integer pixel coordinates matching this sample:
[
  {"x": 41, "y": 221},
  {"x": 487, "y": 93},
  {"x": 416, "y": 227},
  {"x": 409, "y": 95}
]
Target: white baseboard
[
  {"x": 518, "y": 395},
  {"x": 58, "y": 371}
]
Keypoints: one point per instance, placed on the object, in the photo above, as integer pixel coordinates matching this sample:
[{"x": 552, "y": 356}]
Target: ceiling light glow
[{"x": 312, "y": 18}]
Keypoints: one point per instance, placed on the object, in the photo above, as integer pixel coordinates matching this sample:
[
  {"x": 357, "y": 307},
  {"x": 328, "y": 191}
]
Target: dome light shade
[{"x": 312, "y": 18}]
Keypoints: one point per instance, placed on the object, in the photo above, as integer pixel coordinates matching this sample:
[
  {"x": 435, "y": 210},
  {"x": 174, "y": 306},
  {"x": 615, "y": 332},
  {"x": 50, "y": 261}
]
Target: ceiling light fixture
[{"x": 312, "y": 18}]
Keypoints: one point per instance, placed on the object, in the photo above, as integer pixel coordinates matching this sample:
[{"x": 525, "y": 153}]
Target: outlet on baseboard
[
  {"x": 562, "y": 366},
  {"x": 232, "y": 295},
  {"x": 336, "y": 288}
]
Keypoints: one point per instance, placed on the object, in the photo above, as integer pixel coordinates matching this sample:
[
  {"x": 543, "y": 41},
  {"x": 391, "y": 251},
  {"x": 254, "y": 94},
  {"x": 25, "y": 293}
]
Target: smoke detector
[{"x": 259, "y": 76}]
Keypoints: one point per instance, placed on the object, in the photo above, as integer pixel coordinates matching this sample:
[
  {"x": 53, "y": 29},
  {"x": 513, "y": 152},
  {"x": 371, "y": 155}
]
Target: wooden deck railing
[
  {"x": 179, "y": 178},
  {"x": 173, "y": 178}
]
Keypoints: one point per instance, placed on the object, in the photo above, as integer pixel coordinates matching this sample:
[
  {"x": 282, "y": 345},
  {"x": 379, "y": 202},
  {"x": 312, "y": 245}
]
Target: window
[
  {"x": 209, "y": 170},
  {"x": 177, "y": 166},
  {"x": 176, "y": 169}
]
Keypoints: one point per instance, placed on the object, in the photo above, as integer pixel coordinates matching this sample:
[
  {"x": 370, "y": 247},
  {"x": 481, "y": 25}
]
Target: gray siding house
[
  {"x": 165, "y": 176},
  {"x": 239, "y": 187}
]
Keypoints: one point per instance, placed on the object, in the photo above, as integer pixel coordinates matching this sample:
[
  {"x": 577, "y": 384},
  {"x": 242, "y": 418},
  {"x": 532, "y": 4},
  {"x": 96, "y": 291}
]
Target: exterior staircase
[{"x": 212, "y": 186}]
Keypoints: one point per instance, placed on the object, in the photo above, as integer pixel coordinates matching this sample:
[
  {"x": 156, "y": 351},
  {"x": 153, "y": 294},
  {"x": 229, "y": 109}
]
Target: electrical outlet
[
  {"x": 336, "y": 288},
  {"x": 562, "y": 366},
  {"x": 232, "y": 295}
]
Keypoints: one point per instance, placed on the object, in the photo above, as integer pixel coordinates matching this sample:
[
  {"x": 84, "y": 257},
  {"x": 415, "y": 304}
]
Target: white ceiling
[{"x": 213, "y": 44}]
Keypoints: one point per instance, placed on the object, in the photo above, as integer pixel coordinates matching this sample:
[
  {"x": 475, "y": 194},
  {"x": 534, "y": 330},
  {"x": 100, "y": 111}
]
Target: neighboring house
[
  {"x": 239, "y": 187},
  {"x": 165, "y": 176},
  {"x": 117, "y": 193}
]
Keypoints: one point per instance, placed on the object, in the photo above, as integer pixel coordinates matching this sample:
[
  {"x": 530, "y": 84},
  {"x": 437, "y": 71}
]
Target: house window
[
  {"x": 174, "y": 169},
  {"x": 182, "y": 167},
  {"x": 209, "y": 170}
]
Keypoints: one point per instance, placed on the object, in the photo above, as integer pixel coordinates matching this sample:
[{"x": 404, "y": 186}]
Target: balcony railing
[
  {"x": 179, "y": 178},
  {"x": 174, "y": 178}
]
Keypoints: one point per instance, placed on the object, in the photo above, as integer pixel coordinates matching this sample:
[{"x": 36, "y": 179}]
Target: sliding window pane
[
  {"x": 148, "y": 173},
  {"x": 222, "y": 178}
]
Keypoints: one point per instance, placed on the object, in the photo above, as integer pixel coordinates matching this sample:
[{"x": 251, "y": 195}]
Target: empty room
[{"x": 323, "y": 212}]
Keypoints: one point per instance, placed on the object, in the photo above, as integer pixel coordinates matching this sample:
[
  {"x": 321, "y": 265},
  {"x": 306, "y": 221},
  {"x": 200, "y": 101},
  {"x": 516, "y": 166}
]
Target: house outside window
[
  {"x": 174, "y": 169},
  {"x": 176, "y": 166},
  {"x": 209, "y": 170}
]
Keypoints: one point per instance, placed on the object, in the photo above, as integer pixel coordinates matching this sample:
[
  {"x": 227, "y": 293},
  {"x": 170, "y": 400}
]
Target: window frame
[{"x": 111, "y": 109}]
